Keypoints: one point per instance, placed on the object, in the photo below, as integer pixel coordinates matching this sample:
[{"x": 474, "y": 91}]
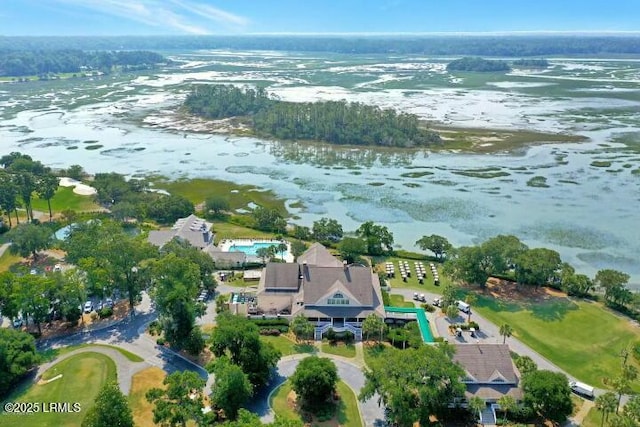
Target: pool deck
[{"x": 227, "y": 245}]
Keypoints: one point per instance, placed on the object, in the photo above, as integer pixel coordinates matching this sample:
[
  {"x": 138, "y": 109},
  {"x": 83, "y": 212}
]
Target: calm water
[{"x": 588, "y": 213}]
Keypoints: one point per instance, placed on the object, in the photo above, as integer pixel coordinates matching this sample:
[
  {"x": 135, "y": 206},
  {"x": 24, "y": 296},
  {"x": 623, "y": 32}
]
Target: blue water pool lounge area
[{"x": 250, "y": 247}]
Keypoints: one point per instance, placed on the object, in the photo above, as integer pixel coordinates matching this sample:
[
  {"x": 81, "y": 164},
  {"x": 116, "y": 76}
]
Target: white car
[
  {"x": 17, "y": 322},
  {"x": 88, "y": 307}
]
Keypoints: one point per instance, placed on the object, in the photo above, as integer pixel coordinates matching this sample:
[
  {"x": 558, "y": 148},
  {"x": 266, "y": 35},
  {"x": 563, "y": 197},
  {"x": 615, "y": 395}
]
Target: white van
[
  {"x": 582, "y": 388},
  {"x": 464, "y": 307}
]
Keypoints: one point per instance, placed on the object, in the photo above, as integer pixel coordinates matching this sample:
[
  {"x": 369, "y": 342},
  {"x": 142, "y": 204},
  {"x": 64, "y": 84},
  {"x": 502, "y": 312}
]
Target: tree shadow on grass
[
  {"x": 304, "y": 348},
  {"x": 498, "y": 305},
  {"x": 551, "y": 311}
]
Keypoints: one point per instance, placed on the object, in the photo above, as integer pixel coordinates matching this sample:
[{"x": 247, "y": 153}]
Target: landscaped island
[
  {"x": 470, "y": 63},
  {"x": 336, "y": 122}
]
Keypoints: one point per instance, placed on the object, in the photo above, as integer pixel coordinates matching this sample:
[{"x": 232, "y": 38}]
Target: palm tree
[
  {"x": 606, "y": 403},
  {"x": 470, "y": 299},
  {"x": 282, "y": 248},
  {"x": 507, "y": 404},
  {"x": 476, "y": 405},
  {"x": 506, "y": 331}
]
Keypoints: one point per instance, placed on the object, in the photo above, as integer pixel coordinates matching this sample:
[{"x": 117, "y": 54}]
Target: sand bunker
[{"x": 79, "y": 187}]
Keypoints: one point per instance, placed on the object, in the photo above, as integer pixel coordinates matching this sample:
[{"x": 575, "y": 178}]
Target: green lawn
[
  {"x": 339, "y": 349},
  {"x": 51, "y": 354},
  {"x": 399, "y": 301},
  {"x": 347, "y": 414},
  {"x": 82, "y": 377},
  {"x": 239, "y": 196},
  {"x": 7, "y": 260},
  {"x": 580, "y": 337},
  {"x": 226, "y": 230},
  {"x": 287, "y": 346},
  {"x": 593, "y": 418},
  {"x": 412, "y": 282},
  {"x": 64, "y": 199}
]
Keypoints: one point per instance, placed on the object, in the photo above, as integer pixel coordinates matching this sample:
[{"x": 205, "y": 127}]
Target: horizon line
[{"x": 365, "y": 33}]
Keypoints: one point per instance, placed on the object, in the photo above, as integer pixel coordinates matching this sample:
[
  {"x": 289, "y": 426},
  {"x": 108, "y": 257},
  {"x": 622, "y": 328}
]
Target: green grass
[
  {"x": 580, "y": 337},
  {"x": 82, "y": 377},
  {"x": 226, "y": 230},
  {"x": 593, "y": 418},
  {"x": 399, "y": 301},
  {"x": 239, "y": 196},
  {"x": 412, "y": 282},
  {"x": 7, "y": 260},
  {"x": 347, "y": 410},
  {"x": 51, "y": 354},
  {"x": 64, "y": 199},
  {"x": 339, "y": 349},
  {"x": 286, "y": 346}
]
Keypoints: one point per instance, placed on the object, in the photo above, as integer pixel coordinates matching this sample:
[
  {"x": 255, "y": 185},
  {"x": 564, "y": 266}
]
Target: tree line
[
  {"x": 14, "y": 63},
  {"x": 472, "y": 63},
  {"x": 509, "y": 46},
  {"x": 336, "y": 122}
]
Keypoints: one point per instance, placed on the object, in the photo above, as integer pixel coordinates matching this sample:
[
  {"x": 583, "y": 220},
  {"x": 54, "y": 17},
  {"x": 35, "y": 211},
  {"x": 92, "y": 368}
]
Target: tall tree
[
  {"x": 302, "y": 327},
  {"x": 8, "y": 196},
  {"x": 506, "y": 331},
  {"x": 180, "y": 401},
  {"x": 469, "y": 265},
  {"x": 476, "y": 405},
  {"x": 239, "y": 339},
  {"x": 470, "y": 299},
  {"x": 415, "y": 383},
  {"x": 29, "y": 239},
  {"x": 437, "y": 244},
  {"x": 175, "y": 290},
  {"x": 351, "y": 247},
  {"x": 26, "y": 184},
  {"x": 314, "y": 381},
  {"x": 35, "y": 293},
  {"x": 613, "y": 282},
  {"x": 378, "y": 239},
  {"x": 47, "y": 186},
  {"x": 217, "y": 205},
  {"x": 537, "y": 266},
  {"x": 17, "y": 356},
  {"x": 606, "y": 403},
  {"x": 548, "y": 394},
  {"x": 507, "y": 404},
  {"x": 232, "y": 389},
  {"x": 110, "y": 409},
  {"x": 327, "y": 230},
  {"x": 374, "y": 325}
]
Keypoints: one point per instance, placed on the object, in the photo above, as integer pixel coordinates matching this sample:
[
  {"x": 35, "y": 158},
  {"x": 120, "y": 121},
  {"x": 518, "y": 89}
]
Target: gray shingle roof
[
  {"x": 281, "y": 276},
  {"x": 194, "y": 230},
  {"x": 355, "y": 279},
  {"x": 493, "y": 392},
  {"x": 319, "y": 256},
  {"x": 486, "y": 363}
]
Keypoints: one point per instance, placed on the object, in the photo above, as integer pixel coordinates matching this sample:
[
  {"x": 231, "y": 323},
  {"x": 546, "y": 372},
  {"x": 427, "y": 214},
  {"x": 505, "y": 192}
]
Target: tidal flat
[{"x": 572, "y": 130}]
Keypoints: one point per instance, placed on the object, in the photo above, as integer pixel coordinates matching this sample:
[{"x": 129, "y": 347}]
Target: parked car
[
  {"x": 17, "y": 322},
  {"x": 99, "y": 306},
  {"x": 437, "y": 302},
  {"x": 88, "y": 307},
  {"x": 423, "y": 298},
  {"x": 109, "y": 303},
  {"x": 415, "y": 296}
]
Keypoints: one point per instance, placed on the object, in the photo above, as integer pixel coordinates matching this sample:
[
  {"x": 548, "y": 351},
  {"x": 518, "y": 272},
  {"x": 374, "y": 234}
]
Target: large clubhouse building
[{"x": 330, "y": 293}]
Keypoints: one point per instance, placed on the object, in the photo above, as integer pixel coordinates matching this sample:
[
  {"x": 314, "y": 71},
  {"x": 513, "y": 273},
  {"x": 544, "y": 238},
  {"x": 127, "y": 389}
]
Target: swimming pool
[{"x": 252, "y": 249}]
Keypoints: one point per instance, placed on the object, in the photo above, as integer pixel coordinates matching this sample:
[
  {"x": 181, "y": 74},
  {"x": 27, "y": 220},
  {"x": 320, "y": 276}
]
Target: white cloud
[{"x": 182, "y": 15}]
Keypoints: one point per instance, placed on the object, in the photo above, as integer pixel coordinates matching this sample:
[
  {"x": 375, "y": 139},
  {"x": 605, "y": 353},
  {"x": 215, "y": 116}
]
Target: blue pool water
[{"x": 252, "y": 249}]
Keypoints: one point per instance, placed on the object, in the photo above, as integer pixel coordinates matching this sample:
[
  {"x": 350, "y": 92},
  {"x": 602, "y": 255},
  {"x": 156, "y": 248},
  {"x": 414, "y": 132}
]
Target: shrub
[
  {"x": 386, "y": 300},
  {"x": 271, "y": 322},
  {"x": 331, "y": 335},
  {"x": 636, "y": 351},
  {"x": 195, "y": 342},
  {"x": 474, "y": 325},
  {"x": 94, "y": 316},
  {"x": 155, "y": 328},
  {"x": 270, "y": 332},
  {"x": 105, "y": 312},
  {"x": 160, "y": 341},
  {"x": 348, "y": 337},
  {"x": 428, "y": 307}
]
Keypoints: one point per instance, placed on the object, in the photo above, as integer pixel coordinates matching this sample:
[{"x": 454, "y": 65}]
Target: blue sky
[{"x": 154, "y": 17}]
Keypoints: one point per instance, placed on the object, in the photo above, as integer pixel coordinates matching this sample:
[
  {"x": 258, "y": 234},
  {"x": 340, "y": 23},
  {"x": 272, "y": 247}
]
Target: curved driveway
[{"x": 350, "y": 373}]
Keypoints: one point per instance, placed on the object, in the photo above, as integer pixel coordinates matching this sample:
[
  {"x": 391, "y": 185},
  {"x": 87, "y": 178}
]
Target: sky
[{"x": 223, "y": 17}]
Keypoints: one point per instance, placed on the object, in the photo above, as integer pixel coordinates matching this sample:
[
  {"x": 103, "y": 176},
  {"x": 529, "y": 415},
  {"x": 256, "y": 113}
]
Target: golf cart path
[{"x": 125, "y": 368}]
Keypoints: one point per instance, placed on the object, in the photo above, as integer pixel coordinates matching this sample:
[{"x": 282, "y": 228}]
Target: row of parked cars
[
  {"x": 204, "y": 296},
  {"x": 89, "y": 306}
]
